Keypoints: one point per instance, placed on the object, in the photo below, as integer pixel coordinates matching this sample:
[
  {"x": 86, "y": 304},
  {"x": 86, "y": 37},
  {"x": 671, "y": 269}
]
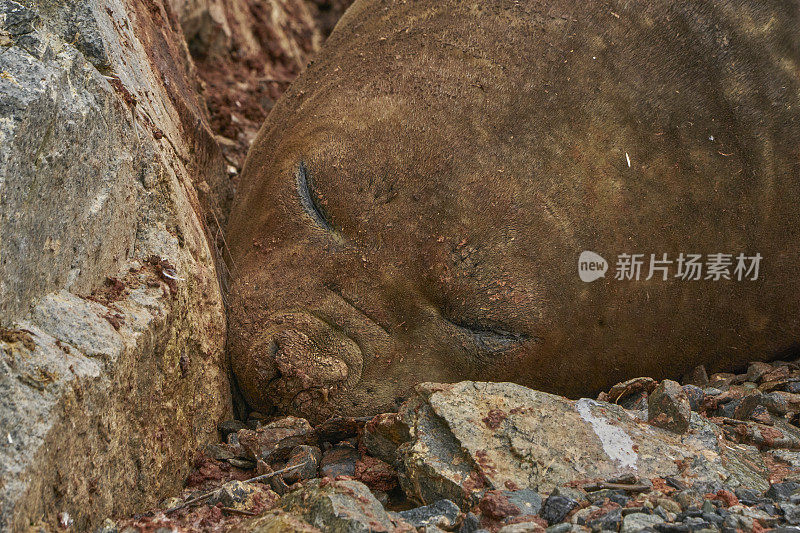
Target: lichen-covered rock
[
  {"x": 695, "y": 395},
  {"x": 697, "y": 377},
  {"x": 111, "y": 359},
  {"x": 433, "y": 466},
  {"x": 782, "y": 491},
  {"x": 341, "y": 506},
  {"x": 609, "y": 519},
  {"x": 458, "y": 452},
  {"x": 791, "y": 513}
]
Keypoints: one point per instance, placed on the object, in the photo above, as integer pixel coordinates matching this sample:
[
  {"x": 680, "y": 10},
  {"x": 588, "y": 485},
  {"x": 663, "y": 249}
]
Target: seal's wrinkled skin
[{"x": 414, "y": 207}]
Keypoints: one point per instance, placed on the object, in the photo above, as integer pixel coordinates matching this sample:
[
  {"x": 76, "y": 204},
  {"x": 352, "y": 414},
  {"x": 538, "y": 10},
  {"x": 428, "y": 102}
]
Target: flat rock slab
[
  {"x": 341, "y": 506},
  {"x": 275, "y": 522},
  {"x": 470, "y": 437}
]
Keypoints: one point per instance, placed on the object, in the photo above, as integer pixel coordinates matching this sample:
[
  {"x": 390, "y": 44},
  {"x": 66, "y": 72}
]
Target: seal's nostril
[{"x": 301, "y": 356}]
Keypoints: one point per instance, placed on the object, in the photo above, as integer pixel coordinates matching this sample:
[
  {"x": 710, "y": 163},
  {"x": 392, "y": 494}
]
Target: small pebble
[{"x": 556, "y": 508}]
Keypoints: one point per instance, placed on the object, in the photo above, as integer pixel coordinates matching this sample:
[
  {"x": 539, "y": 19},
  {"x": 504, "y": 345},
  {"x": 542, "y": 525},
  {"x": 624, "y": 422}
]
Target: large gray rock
[
  {"x": 469, "y": 437},
  {"x": 111, "y": 361}
]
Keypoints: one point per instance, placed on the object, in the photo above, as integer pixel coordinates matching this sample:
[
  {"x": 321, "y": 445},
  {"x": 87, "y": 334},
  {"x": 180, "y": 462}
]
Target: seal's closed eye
[
  {"x": 309, "y": 198},
  {"x": 491, "y": 339}
]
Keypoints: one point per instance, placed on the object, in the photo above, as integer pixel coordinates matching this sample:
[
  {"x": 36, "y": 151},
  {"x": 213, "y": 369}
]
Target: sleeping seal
[{"x": 415, "y": 207}]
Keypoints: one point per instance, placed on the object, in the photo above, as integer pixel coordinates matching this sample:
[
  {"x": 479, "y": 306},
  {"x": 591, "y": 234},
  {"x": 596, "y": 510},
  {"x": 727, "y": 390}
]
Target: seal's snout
[{"x": 297, "y": 363}]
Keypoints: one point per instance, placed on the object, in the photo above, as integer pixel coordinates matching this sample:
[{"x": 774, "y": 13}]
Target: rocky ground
[{"x": 719, "y": 453}]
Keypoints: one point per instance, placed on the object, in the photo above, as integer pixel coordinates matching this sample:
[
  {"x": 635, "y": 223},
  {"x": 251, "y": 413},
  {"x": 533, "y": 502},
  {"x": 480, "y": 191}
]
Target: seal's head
[
  {"x": 342, "y": 307},
  {"x": 415, "y": 206}
]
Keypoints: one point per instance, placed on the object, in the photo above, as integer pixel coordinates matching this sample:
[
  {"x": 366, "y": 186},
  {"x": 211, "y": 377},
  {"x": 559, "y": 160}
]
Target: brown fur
[{"x": 461, "y": 154}]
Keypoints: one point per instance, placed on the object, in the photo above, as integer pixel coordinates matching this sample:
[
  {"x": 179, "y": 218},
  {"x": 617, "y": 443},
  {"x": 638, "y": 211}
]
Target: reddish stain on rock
[
  {"x": 495, "y": 504},
  {"x": 494, "y": 418},
  {"x": 606, "y": 508},
  {"x": 115, "y": 319},
  {"x": 120, "y": 89},
  {"x": 661, "y": 420},
  {"x": 376, "y": 474},
  {"x": 770, "y": 434},
  {"x": 211, "y": 471},
  {"x": 778, "y": 470},
  {"x": 726, "y": 497},
  {"x": 661, "y": 485},
  {"x": 528, "y": 518},
  {"x": 475, "y": 481},
  {"x": 113, "y": 289},
  {"x": 483, "y": 460}
]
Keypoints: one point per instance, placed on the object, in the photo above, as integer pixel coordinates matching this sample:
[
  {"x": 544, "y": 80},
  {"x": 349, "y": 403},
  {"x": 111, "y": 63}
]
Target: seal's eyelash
[{"x": 309, "y": 200}]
